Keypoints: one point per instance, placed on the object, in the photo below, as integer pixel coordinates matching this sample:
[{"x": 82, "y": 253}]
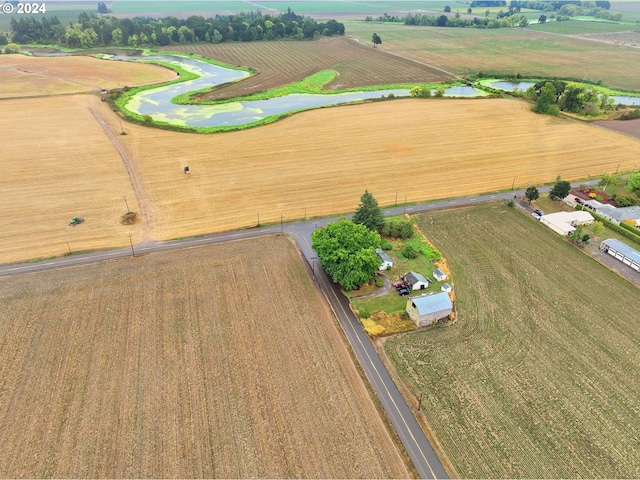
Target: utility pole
[
  {"x": 420, "y": 402},
  {"x": 305, "y": 213},
  {"x": 133, "y": 254},
  {"x": 513, "y": 184},
  {"x": 395, "y": 204},
  {"x": 125, "y": 202},
  {"x": 258, "y": 218},
  {"x": 281, "y": 225}
]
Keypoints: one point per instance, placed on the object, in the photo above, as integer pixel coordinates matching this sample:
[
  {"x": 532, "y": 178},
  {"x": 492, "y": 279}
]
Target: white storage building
[{"x": 622, "y": 252}]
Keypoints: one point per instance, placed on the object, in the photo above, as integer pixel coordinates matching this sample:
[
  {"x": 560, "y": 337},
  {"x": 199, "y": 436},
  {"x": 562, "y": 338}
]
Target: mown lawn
[{"x": 538, "y": 378}]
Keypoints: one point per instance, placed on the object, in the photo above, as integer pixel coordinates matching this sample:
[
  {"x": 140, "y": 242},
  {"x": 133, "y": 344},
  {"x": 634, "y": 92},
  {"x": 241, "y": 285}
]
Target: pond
[
  {"x": 511, "y": 86},
  {"x": 157, "y": 104}
]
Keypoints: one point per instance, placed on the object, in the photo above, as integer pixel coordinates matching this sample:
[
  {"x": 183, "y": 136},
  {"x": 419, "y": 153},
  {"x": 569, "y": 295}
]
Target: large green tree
[
  {"x": 347, "y": 252},
  {"x": 369, "y": 213},
  {"x": 633, "y": 183},
  {"x": 532, "y": 194},
  {"x": 560, "y": 190}
]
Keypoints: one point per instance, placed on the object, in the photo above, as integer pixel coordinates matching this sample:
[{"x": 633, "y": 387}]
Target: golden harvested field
[
  {"x": 215, "y": 362},
  {"x": 57, "y": 164},
  {"x": 539, "y": 376},
  {"x": 320, "y": 161},
  {"x": 35, "y": 76},
  {"x": 323, "y": 160}
]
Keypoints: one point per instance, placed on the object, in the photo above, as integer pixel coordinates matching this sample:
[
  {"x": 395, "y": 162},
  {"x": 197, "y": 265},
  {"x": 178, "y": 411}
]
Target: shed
[
  {"x": 387, "y": 263},
  {"x": 429, "y": 308},
  {"x": 445, "y": 287},
  {"x": 439, "y": 275},
  {"x": 622, "y": 252},
  {"x": 416, "y": 281}
]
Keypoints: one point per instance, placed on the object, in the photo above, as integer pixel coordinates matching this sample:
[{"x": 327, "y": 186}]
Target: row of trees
[{"x": 93, "y": 30}]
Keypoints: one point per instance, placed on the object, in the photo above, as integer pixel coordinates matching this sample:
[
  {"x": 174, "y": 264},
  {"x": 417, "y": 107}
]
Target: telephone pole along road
[{"x": 423, "y": 456}]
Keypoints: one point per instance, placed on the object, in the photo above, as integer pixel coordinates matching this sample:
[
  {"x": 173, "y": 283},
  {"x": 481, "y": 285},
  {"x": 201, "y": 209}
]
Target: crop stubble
[
  {"x": 538, "y": 378},
  {"x": 25, "y": 76},
  {"x": 221, "y": 361},
  {"x": 323, "y": 160}
]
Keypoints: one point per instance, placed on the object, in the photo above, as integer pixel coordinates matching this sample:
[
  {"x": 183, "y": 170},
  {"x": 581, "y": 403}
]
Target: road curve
[{"x": 416, "y": 444}]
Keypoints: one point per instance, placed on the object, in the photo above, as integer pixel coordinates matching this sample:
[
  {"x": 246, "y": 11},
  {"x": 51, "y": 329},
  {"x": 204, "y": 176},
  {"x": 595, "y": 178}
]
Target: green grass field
[
  {"x": 506, "y": 52},
  {"x": 579, "y": 27},
  {"x": 538, "y": 378}
]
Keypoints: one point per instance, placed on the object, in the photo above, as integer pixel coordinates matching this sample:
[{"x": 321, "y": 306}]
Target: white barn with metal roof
[{"x": 622, "y": 252}]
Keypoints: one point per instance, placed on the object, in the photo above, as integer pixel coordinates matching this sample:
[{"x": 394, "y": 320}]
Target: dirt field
[
  {"x": 628, "y": 127},
  {"x": 538, "y": 377},
  {"x": 320, "y": 161},
  {"x": 281, "y": 63},
  {"x": 216, "y": 362},
  {"x": 35, "y": 76}
]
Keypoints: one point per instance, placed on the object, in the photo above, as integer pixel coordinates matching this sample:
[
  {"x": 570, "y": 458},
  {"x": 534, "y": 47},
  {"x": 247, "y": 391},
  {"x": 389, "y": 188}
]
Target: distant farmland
[
  {"x": 507, "y": 51},
  {"x": 539, "y": 376},
  {"x": 215, "y": 362},
  {"x": 284, "y": 62}
]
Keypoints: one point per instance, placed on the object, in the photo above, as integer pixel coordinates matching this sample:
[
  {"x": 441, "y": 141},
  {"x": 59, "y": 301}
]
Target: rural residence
[
  {"x": 416, "y": 281},
  {"x": 580, "y": 197},
  {"x": 564, "y": 223},
  {"x": 387, "y": 263},
  {"x": 439, "y": 275},
  {"x": 614, "y": 214},
  {"x": 429, "y": 308},
  {"x": 622, "y": 252}
]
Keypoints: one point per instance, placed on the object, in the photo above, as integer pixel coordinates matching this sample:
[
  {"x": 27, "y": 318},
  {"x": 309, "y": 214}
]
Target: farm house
[
  {"x": 439, "y": 275},
  {"x": 564, "y": 223},
  {"x": 614, "y": 214},
  {"x": 416, "y": 281},
  {"x": 387, "y": 263},
  {"x": 622, "y": 252},
  {"x": 429, "y": 308}
]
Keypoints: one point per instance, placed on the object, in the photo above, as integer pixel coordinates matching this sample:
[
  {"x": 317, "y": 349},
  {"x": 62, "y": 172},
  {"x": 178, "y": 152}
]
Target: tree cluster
[
  {"x": 347, "y": 252},
  {"x": 552, "y": 97},
  {"x": 93, "y": 30}
]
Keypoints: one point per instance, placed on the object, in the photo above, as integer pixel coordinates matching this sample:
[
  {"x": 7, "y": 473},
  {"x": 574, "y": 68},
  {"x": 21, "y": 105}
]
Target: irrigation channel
[{"x": 157, "y": 102}]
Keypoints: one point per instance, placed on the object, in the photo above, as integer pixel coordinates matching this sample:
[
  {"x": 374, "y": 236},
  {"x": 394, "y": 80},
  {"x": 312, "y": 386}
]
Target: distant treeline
[{"x": 93, "y": 30}]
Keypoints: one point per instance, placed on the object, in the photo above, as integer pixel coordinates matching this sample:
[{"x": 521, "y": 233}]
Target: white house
[
  {"x": 439, "y": 275},
  {"x": 615, "y": 214},
  {"x": 416, "y": 281},
  {"x": 387, "y": 263},
  {"x": 429, "y": 308},
  {"x": 622, "y": 252},
  {"x": 566, "y": 222}
]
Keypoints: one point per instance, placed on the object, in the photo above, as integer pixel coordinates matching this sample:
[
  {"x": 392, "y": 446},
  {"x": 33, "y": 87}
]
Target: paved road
[{"x": 400, "y": 414}]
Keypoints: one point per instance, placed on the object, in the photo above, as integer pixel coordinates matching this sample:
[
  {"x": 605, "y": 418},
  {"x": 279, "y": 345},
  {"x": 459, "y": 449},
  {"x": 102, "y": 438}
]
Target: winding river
[{"x": 157, "y": 104}]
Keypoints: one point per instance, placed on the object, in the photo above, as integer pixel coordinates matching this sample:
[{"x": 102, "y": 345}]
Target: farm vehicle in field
[{"x": 75, "y": 221}]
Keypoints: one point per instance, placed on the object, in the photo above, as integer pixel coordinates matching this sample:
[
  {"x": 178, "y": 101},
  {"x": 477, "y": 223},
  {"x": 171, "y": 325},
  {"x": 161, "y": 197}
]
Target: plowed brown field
[
  {"x": 281, "y": 63},
  {"x": 215, "y": 362},
  {"x": 24, "y": 76}
]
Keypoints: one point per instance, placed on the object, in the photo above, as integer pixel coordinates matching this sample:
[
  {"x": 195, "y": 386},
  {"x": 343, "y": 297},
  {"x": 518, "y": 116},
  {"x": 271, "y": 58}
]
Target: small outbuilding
[
  {"x": 387, "y": 263},
  {"x": 429, "y": 308},
  {"x": 439, "y": 275},
  {"x": 416, "y": 281},
  {"x": 445, "y": 287}
]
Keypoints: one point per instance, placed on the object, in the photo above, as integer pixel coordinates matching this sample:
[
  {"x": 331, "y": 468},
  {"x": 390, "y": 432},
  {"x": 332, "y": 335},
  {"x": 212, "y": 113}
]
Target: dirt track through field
[{"x": 143, "y": 201}]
